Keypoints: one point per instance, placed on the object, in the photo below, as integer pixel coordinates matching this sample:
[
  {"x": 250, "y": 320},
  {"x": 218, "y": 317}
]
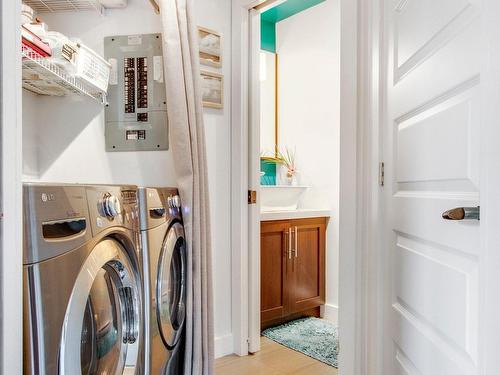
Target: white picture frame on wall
[
  {"x": 210, "y": 46},
  {"x": 212, "y": 89}
]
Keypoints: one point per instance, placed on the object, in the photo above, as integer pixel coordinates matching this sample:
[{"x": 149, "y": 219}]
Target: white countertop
[{"x": 295, "y": 214}]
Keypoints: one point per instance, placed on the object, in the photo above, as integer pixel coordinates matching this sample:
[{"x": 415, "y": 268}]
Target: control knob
[
  {"x": 174, "y": 201},
  {"x": 110, "y": 206}
]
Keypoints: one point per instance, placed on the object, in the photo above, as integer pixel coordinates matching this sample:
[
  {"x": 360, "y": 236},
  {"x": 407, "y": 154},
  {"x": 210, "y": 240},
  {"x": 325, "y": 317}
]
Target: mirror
[{"x": 268, "y": 103}]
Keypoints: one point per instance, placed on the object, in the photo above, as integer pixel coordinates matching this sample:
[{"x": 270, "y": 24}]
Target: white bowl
[{"x": 280, "y": 197}]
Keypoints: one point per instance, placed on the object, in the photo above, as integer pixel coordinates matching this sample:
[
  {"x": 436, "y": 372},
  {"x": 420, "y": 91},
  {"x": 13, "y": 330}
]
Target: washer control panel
[
  {"x": 110, "y": 206},
  {"x": 113, "y": 206}
]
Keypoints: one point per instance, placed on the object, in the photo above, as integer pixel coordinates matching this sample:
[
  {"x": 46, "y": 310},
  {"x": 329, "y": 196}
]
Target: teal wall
[
  {"x": 268, "y": 36},
  {"x": 271, "y": 17}
]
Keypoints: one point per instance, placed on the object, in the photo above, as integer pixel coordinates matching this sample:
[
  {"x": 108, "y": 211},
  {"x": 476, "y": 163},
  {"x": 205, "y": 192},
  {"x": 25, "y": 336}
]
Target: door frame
[
  {"x": 359, "y": 189},
  {"x": 489, "y": 301},
  {"x": 11, "y": 240},
  {"x": 489, "y": 361}
]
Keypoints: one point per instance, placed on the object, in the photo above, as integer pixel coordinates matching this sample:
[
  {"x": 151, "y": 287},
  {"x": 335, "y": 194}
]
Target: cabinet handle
[
  {"x": 296, "y": 243},
  {"x": 290, "y": 244}
]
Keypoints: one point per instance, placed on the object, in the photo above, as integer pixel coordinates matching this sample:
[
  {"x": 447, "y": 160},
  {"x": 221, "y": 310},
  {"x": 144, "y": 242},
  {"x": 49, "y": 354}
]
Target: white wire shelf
[
  {"x": 50, "y": 6},
  {"x": 43, "y": 77}
]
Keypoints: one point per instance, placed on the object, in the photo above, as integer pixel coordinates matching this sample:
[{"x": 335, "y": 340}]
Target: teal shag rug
[{"x": 316, "y": 338}]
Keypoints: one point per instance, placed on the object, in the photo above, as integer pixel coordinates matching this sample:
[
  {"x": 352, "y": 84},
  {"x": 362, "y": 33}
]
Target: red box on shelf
[{"x": 33, "y": 42}]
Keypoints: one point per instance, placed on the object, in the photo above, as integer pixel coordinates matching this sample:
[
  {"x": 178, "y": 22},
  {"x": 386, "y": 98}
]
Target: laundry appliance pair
[{"x": 104, "y": 280}]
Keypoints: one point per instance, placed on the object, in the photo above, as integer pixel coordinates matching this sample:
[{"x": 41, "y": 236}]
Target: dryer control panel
[{"x": 136, "y": 117}]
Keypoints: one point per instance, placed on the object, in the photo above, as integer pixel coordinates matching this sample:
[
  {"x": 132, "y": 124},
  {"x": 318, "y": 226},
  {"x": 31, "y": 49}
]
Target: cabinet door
[
  {"x": 308, "y": 268},
  {"x": 273, "y": 267}
]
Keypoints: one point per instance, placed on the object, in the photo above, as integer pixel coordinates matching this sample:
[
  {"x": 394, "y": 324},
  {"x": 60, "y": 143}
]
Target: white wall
[
  {"x": 63, "y": 138},
  {"x": 308, "y": 46}
]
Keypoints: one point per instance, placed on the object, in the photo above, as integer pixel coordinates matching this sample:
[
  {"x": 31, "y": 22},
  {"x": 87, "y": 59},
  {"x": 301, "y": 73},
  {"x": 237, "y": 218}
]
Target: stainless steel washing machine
[
  {"x": 164, "y": 251},
  {"x": 82, "y": 280}
]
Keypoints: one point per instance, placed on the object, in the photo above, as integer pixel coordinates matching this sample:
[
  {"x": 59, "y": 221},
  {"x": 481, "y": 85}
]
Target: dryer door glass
[
  {"x": 171, "y": 286},
  {"x": 109, "y": 314}
]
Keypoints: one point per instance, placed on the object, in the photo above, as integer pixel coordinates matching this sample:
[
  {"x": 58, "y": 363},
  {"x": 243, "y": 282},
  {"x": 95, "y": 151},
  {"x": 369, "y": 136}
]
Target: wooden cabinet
[
  {"x": 273, "y": 266},
  {"x": 292, "y": 269}
]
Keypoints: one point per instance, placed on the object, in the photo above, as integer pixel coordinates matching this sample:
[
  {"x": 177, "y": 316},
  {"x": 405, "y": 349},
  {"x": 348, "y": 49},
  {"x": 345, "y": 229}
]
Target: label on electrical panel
[
  {"x": 158, "y": 68},
  {"x": 132, "y": 135},
  {"x": 135, "y": 135},
  {"x": 134, "y": 40},
  {"x": 113, "y": 74}
]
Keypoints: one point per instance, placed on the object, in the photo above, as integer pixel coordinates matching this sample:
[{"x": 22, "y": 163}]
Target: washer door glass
[
  {"x": 108, "y": 314},
  {"x": 102, "y": 329},
  {"x": 171, "y": 286}
]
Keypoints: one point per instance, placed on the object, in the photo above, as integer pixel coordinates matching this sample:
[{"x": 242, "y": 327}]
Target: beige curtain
[{"x": 187, "y": 143}]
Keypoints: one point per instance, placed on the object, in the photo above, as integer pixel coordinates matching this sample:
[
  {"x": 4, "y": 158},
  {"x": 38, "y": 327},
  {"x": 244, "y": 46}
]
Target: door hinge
[
  {"x": 252, "y": 197},
  {"x": 381, "y": 173}
]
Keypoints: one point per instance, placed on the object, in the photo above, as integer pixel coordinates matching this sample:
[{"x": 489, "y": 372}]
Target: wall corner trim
[{"x": 224, "y": 345}]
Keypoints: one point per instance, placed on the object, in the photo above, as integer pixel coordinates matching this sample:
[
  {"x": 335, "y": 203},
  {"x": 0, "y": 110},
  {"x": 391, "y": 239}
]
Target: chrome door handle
[
  {"x": 290, "y": 244},
  {"x": 296, "y": 242},
  {"x": 462, "y": 213}
]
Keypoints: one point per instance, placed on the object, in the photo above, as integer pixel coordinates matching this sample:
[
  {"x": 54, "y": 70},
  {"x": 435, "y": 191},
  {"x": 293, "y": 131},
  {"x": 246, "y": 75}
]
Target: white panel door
[{"x": 432, "y": 155}]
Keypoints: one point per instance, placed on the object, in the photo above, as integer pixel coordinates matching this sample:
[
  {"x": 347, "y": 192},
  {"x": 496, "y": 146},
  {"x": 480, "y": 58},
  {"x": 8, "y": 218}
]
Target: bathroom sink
[{"x": 280, "y": 197}]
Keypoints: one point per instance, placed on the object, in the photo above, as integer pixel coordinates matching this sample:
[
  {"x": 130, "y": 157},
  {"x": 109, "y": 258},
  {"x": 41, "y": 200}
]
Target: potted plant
[{"x": 287, "y": 160}]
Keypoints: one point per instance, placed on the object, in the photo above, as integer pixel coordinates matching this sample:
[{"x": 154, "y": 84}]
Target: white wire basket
[
  {"x": 92, "y": 68},
  {"x": 43, "y": 77},
  {"x": 49, "y": 6}
]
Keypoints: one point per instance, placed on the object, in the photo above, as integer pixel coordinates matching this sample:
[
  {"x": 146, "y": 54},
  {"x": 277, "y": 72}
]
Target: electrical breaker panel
[{"x": 136, "y": 116}]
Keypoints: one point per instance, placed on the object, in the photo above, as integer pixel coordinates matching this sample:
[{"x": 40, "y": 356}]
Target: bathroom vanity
[{"x": 292, "y": 265}]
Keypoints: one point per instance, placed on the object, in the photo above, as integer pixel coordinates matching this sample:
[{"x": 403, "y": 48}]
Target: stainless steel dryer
[
  {"x": 82, "y": 280},
  {"x": 164, "y": 251}
]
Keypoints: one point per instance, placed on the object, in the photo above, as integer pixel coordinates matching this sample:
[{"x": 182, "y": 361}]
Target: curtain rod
[{"x": 155, "y": 5}]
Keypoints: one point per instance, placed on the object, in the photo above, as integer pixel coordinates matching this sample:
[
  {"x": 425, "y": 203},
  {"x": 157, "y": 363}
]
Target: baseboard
[
  {"x": 330, "y": 312},
  {"x": 224, "y": 345}
]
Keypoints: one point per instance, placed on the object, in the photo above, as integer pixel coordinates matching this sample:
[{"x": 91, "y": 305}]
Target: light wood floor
[{"x": 273, "y": 359}]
